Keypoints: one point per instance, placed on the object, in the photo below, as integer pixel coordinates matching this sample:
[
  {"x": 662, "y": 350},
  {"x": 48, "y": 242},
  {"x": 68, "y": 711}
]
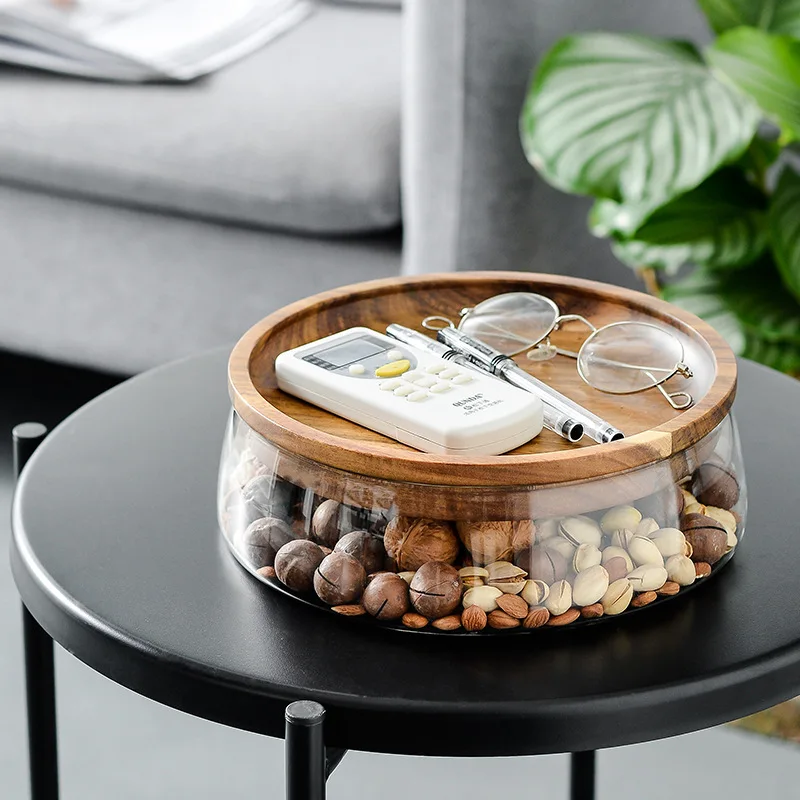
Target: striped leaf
[
  {"x": 784, "y": 224},
  {"x": 767, "y": 68},
  {"x": 631, "y": 118},
  {"x": 721, "y": 223},
  {"x": 777, "y": 16}
]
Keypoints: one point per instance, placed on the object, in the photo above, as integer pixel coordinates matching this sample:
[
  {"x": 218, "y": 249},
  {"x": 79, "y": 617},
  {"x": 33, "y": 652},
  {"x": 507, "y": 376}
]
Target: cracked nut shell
[
  {"x": 435, "y": 590},
  {"x": 386, "y": 596},
  {"x": 487, "y": 541},
  {"x": 414, "y": 541},
  {"x": 715, "y": 485},
  {"x": 365, "y": 547},
  {"x": 296, "y": 563},
  {"x": 339, "y": 579},
  {"x": 264, "y": 537}
]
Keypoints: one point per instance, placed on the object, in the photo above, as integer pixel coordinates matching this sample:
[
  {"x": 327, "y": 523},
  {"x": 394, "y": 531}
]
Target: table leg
[
  {"x": 40, "y": 685},
  {"x": 582, "y": 775},
  {"x": 41, "y": 693},
  {"x": 305, "y": 751}
]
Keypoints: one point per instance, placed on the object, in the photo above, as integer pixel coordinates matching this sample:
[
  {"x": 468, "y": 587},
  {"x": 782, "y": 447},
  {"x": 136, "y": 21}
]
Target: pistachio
[
  {"x": 534, "y": 593},
  {"x": 618, "y": 597},
  {"x": 619, "y": 518},
  {"x": 617, "y": 568},
  {"x": 586, "y": 556},
  {"x": 680, "y": 569},
  {"x": 644, "y": 551},
  {"x": 688, "y": 550},
  {"x": 562, "y": 547},
  {"x": 506, "y": 576},
  {"x": 407, "y": 576},
  {"x": 546, "y": 528},
  {"x": 469, "y": 583},
  {"x": 581, "y": 530},
  {"x": 590, "y": 585},
  {"x": 646, "y": 527},
  {"x": 669, "y": 541},
  {"x": 732, "y": 541},
  {"x": 647, "y": 578},
  {"x": 484, "y": 597},
  {"x": 617, "y": 552},
  {"x": 473, "y": 572},
  {"x": 559, "y": 600},
  {"x": 622, "y": 538},
  {"x": 688, "y": 498},
  {"x": 724, "y": 517},
  {"x": 694, "y": 508}
]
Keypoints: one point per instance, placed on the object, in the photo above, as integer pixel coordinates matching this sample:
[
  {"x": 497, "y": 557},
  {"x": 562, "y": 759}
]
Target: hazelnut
[
  {"x": 326, "y": 523},
  {"x": 296, "y": 562},
  {"x": 386, "y": 596},
  {"x": 707, "y": 537},
  {"x": 364, "y": 547},
  {"x": 715, "y": 485},
  {"x": 264, "y": 537},
  {"x": 414, "y": 541},
  {"x": 339, "y": 579},
  {"x": 487, "y": 541},
  {"x": 435, "y": 590},
  {"x": 543, "y": 564}
]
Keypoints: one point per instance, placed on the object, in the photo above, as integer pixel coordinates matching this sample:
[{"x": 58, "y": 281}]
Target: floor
[{"x": 117, "y": 744}]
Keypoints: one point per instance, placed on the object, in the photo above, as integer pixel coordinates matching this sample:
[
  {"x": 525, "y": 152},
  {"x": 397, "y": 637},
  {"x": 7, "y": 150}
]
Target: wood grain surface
[{"x": 316, "y": 441}]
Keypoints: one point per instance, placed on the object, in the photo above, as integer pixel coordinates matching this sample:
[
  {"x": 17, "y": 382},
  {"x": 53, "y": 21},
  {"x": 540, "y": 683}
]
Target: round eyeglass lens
[
  {"x": 628, "y": 357},
  {"x": 511, "y": 323}
]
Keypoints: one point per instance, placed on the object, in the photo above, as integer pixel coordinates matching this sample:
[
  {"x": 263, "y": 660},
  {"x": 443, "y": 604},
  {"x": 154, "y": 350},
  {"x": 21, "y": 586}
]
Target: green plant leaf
[
  {"x": 784, "y": 225},
  {"x": 777, "y": 16},
  {"x": 749, "y": 308},
  {"x": 767, "y": 68},
  {"x": 721, "y": 223},
  {"x": 631, "y": 118}
]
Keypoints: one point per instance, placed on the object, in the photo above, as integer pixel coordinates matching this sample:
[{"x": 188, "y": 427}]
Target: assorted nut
[{"x": 483, "y": 576}]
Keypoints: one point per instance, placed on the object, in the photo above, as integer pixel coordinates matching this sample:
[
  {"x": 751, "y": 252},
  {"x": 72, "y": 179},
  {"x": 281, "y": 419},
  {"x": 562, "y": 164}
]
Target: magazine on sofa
[{"x": 140, "y": 40}]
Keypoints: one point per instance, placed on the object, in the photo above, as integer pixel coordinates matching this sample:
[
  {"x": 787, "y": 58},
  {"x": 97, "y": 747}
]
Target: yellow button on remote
[{"x": 393, "y": 369}]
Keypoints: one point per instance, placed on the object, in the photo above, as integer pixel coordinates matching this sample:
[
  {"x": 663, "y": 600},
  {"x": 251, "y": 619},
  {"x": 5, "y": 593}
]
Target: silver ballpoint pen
[
  {"x": 502, "y": 365},
  {"x": 554, "y": 418}
]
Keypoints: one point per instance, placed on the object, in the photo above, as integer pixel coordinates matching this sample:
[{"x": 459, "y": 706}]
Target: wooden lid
[{"x": 654, "y": 431}]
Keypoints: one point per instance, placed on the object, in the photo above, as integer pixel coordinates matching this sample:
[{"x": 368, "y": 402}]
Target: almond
[
  {"x": 513, "y": 605},
  {"x": 670, "y": 588},
  {"x": 267, "y": 572},
  {"x": 473, "y": 619},
  {"x": 415, "y": 621},
  {"x": 643, "y": 599},
  {"x": 501, "y": 621},
  {"x": 702, "y": 569},
  {"x": 564, "y": 619},
  {"x": 352, "y": 610},
  {"x": 451, "y": 622},
  {"x": 593, "y": 611},
  {"x": 537, "y": 616}
]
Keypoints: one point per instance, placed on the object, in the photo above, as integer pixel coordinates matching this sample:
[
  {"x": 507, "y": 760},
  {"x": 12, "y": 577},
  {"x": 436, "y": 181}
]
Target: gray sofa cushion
[
  {"x": 302, "y": 136},
  {"x": 125, "y": 289}
]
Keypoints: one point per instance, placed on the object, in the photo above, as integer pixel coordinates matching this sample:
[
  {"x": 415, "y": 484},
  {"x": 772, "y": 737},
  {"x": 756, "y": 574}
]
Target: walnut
[
  {"x": 524, "y": 535},
  {"x": 487, "y": 541},
  {"x": 413, "y": 541}
]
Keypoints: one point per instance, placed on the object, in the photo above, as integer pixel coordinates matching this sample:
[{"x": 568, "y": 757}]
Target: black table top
[{"x": 116, "y": 552}]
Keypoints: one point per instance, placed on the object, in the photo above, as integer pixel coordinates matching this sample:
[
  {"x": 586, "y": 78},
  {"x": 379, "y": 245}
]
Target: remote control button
[
  {"x": 437, "y": 367},
  {"x": 356, "y": 369},
  {"x": 394, "y": 355},
  {"x": 393, "y": 369},
  {"x": 426, "y": 381},
  {"x": 416, "y": 397},
  {"x": 463, "y": 378},
  {"x": 390, "y": 385},
  {"x": 411, "y": 377},
  {"x": 404, "y": 390},
  {"x": 450, "y": 372},
  {"x": 442, "y": 386}
]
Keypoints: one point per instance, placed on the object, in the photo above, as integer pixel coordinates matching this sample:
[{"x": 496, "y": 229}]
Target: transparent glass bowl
[{"x": 510, "y": 559}]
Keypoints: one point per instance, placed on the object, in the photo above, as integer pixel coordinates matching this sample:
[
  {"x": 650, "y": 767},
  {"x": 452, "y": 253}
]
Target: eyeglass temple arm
[{"x": 671, "y": 397}]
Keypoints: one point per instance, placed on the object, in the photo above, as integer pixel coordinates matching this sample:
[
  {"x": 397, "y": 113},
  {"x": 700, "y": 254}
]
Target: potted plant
[{"x": 689, "y": 156}]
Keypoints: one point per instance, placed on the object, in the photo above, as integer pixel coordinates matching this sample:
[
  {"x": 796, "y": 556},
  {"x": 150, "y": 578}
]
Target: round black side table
[{"x": 117, "y": 557}]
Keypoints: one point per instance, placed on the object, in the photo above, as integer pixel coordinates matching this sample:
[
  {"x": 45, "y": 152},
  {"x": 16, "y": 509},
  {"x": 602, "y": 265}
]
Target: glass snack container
[{"x": 553, "y": 534}]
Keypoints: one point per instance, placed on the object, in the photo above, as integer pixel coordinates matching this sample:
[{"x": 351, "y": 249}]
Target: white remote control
[{"x": 410, "y": 395}]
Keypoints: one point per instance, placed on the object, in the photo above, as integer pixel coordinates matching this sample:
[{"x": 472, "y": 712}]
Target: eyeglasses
[{"x": 620, "y": 358}]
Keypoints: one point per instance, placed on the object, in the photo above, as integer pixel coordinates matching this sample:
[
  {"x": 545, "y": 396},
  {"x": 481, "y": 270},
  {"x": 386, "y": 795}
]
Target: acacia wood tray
[{"x": 322, "y": 451}]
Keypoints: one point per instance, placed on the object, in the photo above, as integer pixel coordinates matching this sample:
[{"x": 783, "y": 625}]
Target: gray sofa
[{"x": 141, "y": 223}]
